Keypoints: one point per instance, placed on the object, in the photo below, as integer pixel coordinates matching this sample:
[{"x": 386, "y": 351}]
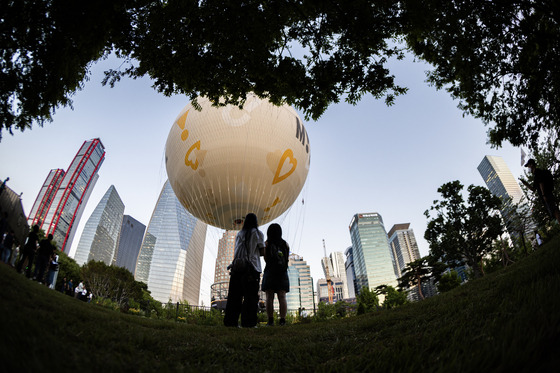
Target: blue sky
[{"x": 364, "y": 158}]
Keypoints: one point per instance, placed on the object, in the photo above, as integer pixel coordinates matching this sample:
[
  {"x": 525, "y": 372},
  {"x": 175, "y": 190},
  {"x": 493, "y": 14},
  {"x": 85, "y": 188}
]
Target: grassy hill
[{"x": 508, "y": 321}]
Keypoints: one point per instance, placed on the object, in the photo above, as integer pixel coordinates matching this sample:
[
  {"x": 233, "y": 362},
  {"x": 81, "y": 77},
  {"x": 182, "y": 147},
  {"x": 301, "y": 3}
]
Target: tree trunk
[{"x": 420, "y": 288}]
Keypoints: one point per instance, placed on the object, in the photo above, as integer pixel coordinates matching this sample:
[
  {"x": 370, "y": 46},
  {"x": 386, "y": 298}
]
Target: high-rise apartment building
[
  {"x": 60, "y": 214},
  {"x": 403, "y": 245},
  {"x": 226, "y": 249},
  {"x": 101, "y": 233},
  {"x": 170, "y": 258},
  {"x": 373, "y": 259},
  {"x": 301, "y": 285},
  {"x": 130, "y": 240}
]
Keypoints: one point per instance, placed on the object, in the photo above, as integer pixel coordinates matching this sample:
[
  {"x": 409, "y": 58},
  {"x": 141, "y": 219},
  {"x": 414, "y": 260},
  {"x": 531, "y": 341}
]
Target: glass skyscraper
[
  {"x": 60, "y": 214},
  {"x": 373, "y": 259},
  {"x": 301, "y": 285},
  {"x": 101, "y": 232},
  {"x": 350, "y": 274},
  {"x": 499, "y": 179},
  {"x": 130, "y": 240},
  {"x": 501, "y": 183},
  {"x": 170, "y": 258},
  {"x": 403, "y": 245}
]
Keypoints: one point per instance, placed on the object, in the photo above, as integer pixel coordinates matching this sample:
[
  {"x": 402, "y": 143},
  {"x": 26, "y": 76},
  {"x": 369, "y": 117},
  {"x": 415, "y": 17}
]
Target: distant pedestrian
[
  {"x": 53, "y": 269},
  {"x": 7, "y": 244},
  {"x": 29, "y": 249},
  {"x": 243, "y": 293},
  {"x": 79, "y": 289},
  {"x": 64, "y": 285},
  {"x": 538, "y": 238},
  {"x": 15, "y": 253},
  {"x": 543, "y": 185},
  {"x": 275, "y": 276},
  {"x": 69, "y": 288}
]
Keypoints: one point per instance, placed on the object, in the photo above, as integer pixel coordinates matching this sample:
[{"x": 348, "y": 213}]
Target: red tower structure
[{"x": 62, "y": 199}]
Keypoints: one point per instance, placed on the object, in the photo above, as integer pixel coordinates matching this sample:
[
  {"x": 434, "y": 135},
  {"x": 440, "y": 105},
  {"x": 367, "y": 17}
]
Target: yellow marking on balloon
[
  {"x": 184, "y": 135},
  {"x": 276, "y": 201},
  {"x": 188, "y": 162},
  {"x": 182, "y": 119},
  {"x": 288, "y": 155}
]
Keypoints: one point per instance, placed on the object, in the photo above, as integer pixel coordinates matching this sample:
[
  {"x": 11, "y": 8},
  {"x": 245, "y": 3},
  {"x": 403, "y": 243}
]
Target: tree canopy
[
  {"x": 462, "y": 232},
  {"x": 500, "y": 59},
  {"x": 112, "y": 282},
  {"x": 415, "y": 273},
  {"x": 367, "y": 300}
]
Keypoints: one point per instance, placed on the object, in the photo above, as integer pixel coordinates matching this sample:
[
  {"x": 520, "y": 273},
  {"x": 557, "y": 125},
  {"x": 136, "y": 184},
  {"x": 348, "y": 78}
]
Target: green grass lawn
[{"x": 508, "y": 321}]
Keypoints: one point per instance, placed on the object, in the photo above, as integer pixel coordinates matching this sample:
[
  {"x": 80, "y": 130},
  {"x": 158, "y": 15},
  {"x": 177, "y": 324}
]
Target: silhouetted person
[
  {"x": 28, "y": 252},
  {"x": 543, "y": 185},
  {"x": 44, "y": 254},
  {"x": 243, "y": 294},
  {"x": 64, "y": 285},
  {"x": 7, "y": 244},
  {"x": 275, "y": 276}
]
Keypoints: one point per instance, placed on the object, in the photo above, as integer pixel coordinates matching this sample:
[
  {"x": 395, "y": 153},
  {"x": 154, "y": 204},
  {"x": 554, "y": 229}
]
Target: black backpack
[{"x": 277, "y": 257}]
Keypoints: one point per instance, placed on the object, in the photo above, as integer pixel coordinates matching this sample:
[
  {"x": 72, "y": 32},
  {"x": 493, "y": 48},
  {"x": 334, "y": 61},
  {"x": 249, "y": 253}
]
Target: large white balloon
[{"x": 226, "y": 162}]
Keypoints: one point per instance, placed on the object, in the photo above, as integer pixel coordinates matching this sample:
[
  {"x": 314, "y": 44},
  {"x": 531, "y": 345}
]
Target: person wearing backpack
[
  {"x": 243, "y": 293},
  {"x": 543, "y": 185},
  {"x": 275, "y": 277}
]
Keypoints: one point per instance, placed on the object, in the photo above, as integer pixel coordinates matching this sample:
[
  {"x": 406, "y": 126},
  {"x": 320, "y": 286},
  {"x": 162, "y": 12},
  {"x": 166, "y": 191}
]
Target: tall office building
[
  {"x": 101, "y": 232},
  {"x": 65, "y": 208},
  {"x": 501, "y": 183},
  {"x": 339, "y": 270},
  {"x": 323, "y": 292},
  {"x": 45, "y": 198},
  {"x": 350, "y": 274},
  {"x": 170, "y": 259},
  {"x": 301, "y": 285},
  {"x": 220, "y": 287},
  {"x": 130, "y": 240},
  {"x": 499, "y": 179},
  {"x": 335, "y": 263},
  {"x": 373, "y": 259},
  {"x": 403, "y": 245}
]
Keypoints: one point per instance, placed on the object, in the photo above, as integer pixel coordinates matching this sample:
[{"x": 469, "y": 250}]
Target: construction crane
[{"x": 328, "y": 275}]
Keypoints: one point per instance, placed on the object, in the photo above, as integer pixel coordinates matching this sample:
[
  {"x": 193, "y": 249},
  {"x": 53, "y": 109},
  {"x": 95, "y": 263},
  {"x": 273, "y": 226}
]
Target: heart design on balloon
[{"x": 289, "y": 157}]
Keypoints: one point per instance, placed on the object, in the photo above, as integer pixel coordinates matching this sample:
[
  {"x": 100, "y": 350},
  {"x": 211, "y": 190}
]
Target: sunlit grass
[{"x": 507, "y": 321}]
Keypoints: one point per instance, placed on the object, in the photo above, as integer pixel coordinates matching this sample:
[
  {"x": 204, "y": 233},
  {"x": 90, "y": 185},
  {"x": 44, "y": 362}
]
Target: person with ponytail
[{"x": 243, "y": 293}]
